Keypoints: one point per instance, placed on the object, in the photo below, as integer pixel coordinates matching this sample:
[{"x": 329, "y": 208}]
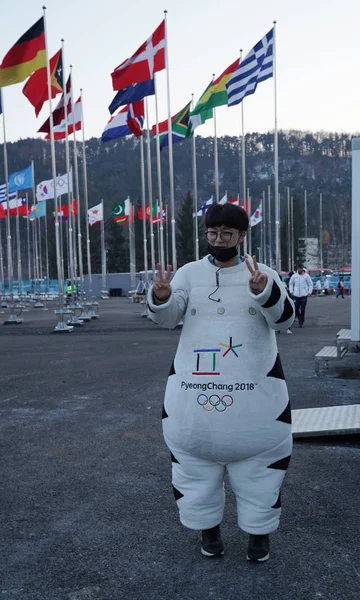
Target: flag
[
  {"x": 37, "y": 211},
  {"x": 235, "y": 201},
  {"x": 156, "y": 219},
  {"x": 257, "y": 216},
  {"x": 36, "y": 88},
  {"x": 125, "y": 122},
  {"x": 16, "y": 205},
  {"x": 223, "y": 200},
  {"x": 96, "y": 214},
  {"x": 141, "y": 66},
  {"x": 180, "y": 127},
  {"x": 45, "y": 189},
  {"x": 256, "y": 67},
  {"x": 12, "y": 195},
  {"x": 214, "y": 95},
  {"x": 21, "y": 180},
  {"x": 25, "y": 57},
  {"x": 63, "y": 210},
  {"x": 202, "y": 210},
  {"x": 140, "y": 213},
  {"x": 59, "y": 111},
  {"x": 131, "y": 94},
  {"x": 245, "y": 206},
  {"x": 121, "y": 212},
  {"x": 76, "y": 115}
]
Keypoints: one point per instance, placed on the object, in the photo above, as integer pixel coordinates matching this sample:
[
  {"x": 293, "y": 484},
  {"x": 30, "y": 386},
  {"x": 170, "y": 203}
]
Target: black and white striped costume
[{"x": 226, "y": 403}]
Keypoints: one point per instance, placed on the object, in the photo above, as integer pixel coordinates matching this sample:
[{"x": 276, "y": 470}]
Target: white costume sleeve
[
  {"x": 169, "y": 314},
  {"x": 310, "y": 284},
  {"x": 274, "y": 302}
]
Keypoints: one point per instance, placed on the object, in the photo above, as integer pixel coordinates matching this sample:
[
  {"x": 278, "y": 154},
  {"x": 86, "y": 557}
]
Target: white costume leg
[
  {"x": 198, "y": 487},
  {"x": 256, "y": 482}
]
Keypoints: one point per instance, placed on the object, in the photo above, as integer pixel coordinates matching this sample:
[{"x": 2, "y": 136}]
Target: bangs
[{"x": 228, "y": 215}]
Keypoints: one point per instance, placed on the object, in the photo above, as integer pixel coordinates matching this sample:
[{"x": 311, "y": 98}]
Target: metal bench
[{"x": 328, "y": 353}]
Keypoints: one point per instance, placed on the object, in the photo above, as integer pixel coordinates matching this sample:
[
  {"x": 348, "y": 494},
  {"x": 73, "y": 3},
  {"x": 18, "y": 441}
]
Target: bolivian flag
[{"x": 25, "y": 57}]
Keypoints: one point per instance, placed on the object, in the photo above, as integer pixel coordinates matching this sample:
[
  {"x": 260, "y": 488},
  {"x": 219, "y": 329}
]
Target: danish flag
[{"x": 141, "y": 66}]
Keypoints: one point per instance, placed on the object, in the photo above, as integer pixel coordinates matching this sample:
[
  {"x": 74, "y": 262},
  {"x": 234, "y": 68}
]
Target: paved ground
[{"x": 86, "y": 501}]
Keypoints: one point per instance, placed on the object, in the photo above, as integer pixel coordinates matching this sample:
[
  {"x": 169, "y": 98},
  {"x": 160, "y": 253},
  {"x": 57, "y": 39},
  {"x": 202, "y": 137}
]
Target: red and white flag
[
  {"x": 73, "y": 121},
  {"x": 59, "y": 111},
  {"x": 141, "y": 66},
  {"x": 235, "y": 200}
]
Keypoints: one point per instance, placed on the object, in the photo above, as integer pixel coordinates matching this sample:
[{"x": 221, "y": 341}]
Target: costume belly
[{"x": 225, "y": 390}]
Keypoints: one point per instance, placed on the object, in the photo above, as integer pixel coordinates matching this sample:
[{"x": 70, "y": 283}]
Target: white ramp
[{"x": 327, "y": 420}]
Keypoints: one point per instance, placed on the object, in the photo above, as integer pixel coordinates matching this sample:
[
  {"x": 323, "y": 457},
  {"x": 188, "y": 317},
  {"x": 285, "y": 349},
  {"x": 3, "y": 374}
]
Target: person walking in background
[
  {"x": 340, "y": 288},
  {"x": 301, "y": 286}
]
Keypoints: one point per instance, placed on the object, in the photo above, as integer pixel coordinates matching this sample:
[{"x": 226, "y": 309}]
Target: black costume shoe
[
  {"x": 258, "y": 548},
  {"x": 211, "y": 543}
]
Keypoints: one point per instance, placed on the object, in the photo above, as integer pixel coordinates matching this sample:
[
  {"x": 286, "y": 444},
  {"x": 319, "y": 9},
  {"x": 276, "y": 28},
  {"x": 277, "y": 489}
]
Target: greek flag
[{"x": 257, "y": 66}]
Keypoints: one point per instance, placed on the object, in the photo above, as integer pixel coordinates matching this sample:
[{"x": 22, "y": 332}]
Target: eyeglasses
[{"x": 225, "y": 236}]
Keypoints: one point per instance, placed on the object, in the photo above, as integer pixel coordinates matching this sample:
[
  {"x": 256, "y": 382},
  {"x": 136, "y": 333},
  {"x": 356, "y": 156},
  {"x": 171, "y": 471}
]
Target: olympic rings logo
[{"x": 215, "y": 402}]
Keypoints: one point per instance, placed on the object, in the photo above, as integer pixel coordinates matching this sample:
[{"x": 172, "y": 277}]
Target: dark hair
[{"x": 227, "y": 214}]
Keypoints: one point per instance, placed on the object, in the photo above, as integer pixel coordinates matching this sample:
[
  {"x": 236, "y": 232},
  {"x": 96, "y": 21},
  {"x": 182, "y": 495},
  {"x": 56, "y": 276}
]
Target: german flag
[
  {"x": 36, "y": 88},
  {"x": 28, "y": 55}
]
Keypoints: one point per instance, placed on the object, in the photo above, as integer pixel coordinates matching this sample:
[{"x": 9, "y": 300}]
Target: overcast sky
[{"x": 318, "y": 53}]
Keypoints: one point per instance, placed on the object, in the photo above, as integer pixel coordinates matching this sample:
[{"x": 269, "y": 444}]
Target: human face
[{"x": 224, "y": 237}]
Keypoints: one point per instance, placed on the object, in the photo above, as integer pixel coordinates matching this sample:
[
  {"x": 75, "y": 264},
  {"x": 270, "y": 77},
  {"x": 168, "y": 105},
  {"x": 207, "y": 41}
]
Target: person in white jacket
[
  {"x": 301, "y": 286},
  {"x": 226, "y": 406}
]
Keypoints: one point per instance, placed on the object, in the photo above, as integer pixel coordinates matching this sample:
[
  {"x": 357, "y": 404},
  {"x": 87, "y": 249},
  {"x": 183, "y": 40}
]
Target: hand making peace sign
[
  {"x": 257, "y": 280},
  {"x": 161, "y": 287}
]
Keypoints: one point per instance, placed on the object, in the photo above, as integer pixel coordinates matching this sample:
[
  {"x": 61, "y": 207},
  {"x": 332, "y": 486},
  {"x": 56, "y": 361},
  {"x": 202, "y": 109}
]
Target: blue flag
[
  {"x": 132, "y": 94},
  {"x": 21, "y": 180}
]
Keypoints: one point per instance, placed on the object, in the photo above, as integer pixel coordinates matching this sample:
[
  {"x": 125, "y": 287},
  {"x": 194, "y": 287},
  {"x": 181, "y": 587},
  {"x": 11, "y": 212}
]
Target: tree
[
  {"x": 185, "y": 234},
  {"x": 118, "y": 259}
]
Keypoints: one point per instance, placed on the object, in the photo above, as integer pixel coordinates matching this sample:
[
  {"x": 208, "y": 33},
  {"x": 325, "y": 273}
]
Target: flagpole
[
  {"x": 18, "y": 250},
  {"x": 321, "y": 235},
  {"x": 292, "y": 233},
  {"x": 270, "y": 229},
  {"x": 305, "y": 224},
  {"x": 61, "y": 326},
  {"x": 158, "y": 164},
  {"x": 167, "y": 235},
  {"x": 276, "y": 161},
  {"x": 250, "y": 213},
  {"x": 171, "y": 165},
  {"x": 2, "y": 263},
  {"x": 195, "y": 198},
  {"x": 88, "y": 255},
  {"x": 12, "y": 318},
  {"x": 77, "y": 188},
  {"x": 35, "y": 242},
  {"x": 243, "y": 168},
  {"x": 45, "y": 223},
  {"x": 262, "y": 234},
  {"x": 67, "y": 161},
  {"x": 148, "y": 150},
  {"x": 132, "y": 246},
  {"x": 264, "y": 211},
  {"x": 289, "y": 228},
  {"x": 27, "y": 237},
  {"x": 143, "y": 207},
  {"x": 103, "y": 254},
  {"x": 162, "y": 254},
  {"x": 217, "y": 195}
]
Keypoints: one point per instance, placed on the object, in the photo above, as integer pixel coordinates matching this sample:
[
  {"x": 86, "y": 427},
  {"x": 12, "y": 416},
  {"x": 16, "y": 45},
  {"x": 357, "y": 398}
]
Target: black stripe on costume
[
  {"x": 178, "y": 495},
  {"x": 274, "y": 296},
  {"x": 150, "y": 309},
  {"x": 287, "y": 313},
  {"x": 278, "y": 502},
  {"x": 164, "y": 414},
  {"x": 173, "y": 459},
  {"x": 285, "y": 416},
  {"x": 172, "y": 369},
  {"x": 281, "y": 464},
  {"x": 277, "y": 370}
]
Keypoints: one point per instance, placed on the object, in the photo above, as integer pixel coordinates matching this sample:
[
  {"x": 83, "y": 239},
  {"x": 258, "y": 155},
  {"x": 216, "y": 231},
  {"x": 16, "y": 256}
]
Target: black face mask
[{"x": 222, "y": 254}]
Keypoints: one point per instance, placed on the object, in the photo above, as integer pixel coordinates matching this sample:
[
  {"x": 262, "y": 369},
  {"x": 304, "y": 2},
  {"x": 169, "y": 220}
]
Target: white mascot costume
[{"x": 226, "y": 404}]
